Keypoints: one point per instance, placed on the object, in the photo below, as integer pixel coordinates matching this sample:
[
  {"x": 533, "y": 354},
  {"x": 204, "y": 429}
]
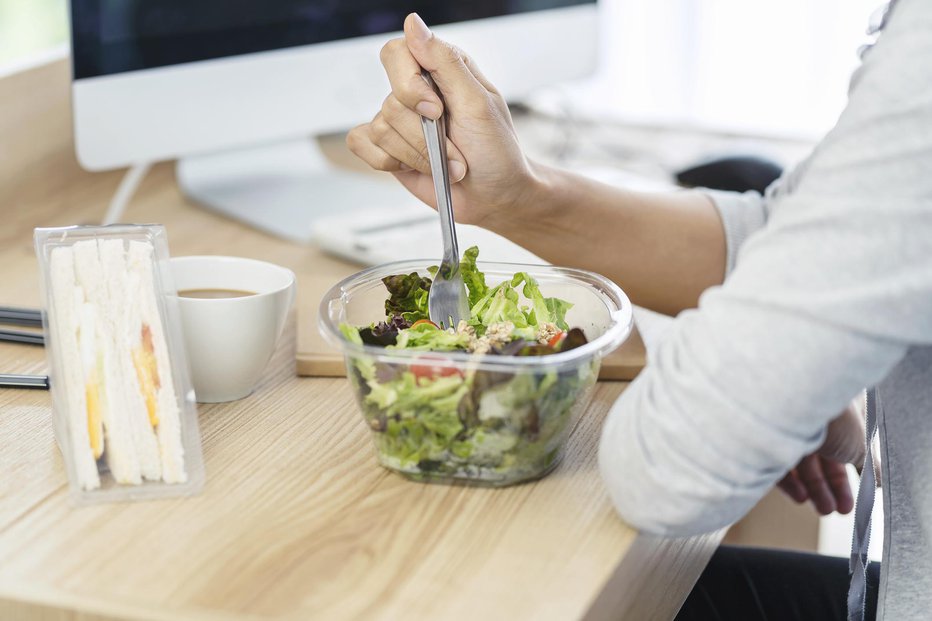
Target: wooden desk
[{"x": 297, "y": 521}]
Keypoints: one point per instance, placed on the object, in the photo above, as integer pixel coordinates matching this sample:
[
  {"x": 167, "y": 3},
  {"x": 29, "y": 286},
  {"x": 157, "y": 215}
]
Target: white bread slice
[
  {"x": 124, "y": 330},
  {"x": 65, "y": 299},
  {"x": 121, "y": 454},
  {"x": 141, "y": 269}
]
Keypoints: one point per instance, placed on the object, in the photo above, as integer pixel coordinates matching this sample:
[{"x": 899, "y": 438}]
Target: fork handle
[{"x": 435, "y": 134}]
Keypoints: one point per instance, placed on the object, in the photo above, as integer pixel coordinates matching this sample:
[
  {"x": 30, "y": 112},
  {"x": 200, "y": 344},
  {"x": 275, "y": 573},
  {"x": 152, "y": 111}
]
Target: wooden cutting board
[{"x": 314, "y": 357}]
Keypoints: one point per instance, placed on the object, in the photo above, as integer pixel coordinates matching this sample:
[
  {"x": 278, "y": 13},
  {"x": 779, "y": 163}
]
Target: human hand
[
  {"x": 822, "y": 480},
  {"x": 822, "y": 476},
  {"x": 487, "y": 167}
]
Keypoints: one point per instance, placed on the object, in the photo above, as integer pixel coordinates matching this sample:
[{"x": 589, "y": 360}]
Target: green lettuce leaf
[
  {"x": 558, "y": 308},
  {"x": 501, "y": 303},
  {"x": 351, "y": 333},
  {"x": 474, "y": 279},
  {"x": 363, "y": 365},
  {"x": 407, "y": 296},
  {"x": 545, "y": 310},
  {"x": 423, "y": 418},
  {"x": 490, "y": 446},
  {"x": 407, "y": 396},
  {"x": 407, "y": 442},
  {"x": 428, "y": 337}
]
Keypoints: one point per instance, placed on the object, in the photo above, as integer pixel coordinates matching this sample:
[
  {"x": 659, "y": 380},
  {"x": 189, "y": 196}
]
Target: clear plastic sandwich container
[
  {"x": 458, "y": 417},
  {"x": 123, "y": 406}
]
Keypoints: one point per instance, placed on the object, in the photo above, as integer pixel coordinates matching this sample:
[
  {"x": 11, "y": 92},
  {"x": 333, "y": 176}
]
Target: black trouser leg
[{"x": 751, "y": 584}]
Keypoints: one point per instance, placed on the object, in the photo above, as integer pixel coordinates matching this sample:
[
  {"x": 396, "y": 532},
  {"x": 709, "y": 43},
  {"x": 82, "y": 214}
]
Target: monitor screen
[{"x": 115, "y": 36}]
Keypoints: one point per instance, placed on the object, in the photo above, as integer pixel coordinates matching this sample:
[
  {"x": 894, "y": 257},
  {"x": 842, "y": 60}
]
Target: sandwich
[{"x": 122, "y": 410}]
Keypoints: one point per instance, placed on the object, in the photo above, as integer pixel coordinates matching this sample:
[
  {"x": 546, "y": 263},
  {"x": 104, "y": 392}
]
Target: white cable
[{"x": 128, "y": 186}]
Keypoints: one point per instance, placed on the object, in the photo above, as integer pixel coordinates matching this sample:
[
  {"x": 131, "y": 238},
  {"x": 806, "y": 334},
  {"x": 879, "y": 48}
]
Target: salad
[{"x": 436, "y": 418}]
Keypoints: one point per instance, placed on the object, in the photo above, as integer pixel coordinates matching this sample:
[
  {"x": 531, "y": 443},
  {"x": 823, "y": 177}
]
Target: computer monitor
[{"x": 235, "y": 89}]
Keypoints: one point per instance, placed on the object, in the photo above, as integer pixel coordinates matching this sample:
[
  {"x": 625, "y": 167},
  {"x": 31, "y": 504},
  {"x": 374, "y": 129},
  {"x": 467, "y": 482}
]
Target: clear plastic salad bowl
[{"x": 458, "y": 417}]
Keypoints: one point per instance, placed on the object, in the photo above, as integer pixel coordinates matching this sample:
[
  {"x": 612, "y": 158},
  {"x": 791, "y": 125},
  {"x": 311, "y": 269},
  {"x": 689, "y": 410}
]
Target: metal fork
[{"x": 447, "y": 302}]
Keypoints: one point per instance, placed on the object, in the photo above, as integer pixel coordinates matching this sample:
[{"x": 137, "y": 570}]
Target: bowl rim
[{"x": 622, "y": 319}]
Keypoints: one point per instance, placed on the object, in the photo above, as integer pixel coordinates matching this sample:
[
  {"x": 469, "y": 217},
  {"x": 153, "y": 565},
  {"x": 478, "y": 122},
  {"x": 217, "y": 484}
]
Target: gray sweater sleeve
[
  {"x": 832, "y": 283},
  {"x": 742, "y": 215}
]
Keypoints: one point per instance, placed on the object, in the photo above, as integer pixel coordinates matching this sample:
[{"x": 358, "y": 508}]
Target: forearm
[{"x": 663, "y": 249}]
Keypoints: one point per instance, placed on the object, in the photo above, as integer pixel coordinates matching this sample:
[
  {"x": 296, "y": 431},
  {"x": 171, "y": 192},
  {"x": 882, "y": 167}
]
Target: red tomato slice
[
  {"x": 426, "y": 366},
  {"x": 555, "y": 339}
]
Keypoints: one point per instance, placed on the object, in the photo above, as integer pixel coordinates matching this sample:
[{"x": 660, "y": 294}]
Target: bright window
[
  {"x": 774, "y": 67},
  {"x": 30, "y": 27}
]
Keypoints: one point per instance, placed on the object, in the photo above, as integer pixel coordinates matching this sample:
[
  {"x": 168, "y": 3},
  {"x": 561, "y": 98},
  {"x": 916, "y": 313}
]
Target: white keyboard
[{"x": 381, "y": 234}]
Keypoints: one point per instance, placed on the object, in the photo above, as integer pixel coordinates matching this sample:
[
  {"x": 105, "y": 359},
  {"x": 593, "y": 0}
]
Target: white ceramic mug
[{"x": 229, "y": 340}]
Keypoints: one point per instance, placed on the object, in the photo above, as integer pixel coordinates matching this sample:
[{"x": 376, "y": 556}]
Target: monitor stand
[{"x": 283, "y": 188}]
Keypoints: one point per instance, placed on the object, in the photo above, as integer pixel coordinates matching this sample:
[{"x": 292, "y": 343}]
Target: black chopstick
[
  {"x": 20, "y": 316},
  {"x": 17, "y": 336},
  {"x": 39, "y": 382}
]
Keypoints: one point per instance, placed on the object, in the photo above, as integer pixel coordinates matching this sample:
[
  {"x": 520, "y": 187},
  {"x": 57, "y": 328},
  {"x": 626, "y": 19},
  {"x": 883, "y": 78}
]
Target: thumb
[{"x": 445, "y": 62}]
